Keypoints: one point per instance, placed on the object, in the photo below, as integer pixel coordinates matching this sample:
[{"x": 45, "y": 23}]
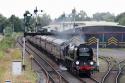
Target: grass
[
  {"x": 2, "y": 71},
  {"x": 1, "y": 54},
  {"x": 8, "y": 42},
  {"x": 16, "y": 54},
  {"x": 8, "y": 53},
  {"x": 27, "y": 76},
  {"x": 122, "y": 79}
]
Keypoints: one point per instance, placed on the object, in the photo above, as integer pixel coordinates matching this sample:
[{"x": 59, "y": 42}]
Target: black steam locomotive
[{"x": 78, "y": 59}]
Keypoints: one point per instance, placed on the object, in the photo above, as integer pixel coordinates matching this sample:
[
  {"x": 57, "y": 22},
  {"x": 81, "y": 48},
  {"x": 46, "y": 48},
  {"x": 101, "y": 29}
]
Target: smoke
[
  {"x": 82, "y": 37},
  {"x": 74, "y": 39},
  {"x": 69, "y": 35},
  {"x": 79, "y": 39}
]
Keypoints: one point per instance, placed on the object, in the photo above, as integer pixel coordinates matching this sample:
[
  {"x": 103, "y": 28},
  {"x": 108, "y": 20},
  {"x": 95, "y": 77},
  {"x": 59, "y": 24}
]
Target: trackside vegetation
[{"x": 8, "y": 53}]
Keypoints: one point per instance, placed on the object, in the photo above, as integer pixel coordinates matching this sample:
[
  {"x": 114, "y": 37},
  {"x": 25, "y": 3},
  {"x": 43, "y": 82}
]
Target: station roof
[{"x": 68, "y": 25}]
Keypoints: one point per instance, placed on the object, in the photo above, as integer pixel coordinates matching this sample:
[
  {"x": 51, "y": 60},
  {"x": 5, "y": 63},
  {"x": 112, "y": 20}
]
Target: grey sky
[{"x": 57, "y": 7}]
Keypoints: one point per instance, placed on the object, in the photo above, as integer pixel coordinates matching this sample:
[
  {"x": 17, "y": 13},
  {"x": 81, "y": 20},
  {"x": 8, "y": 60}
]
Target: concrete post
[{"x": 97, "y": 57}]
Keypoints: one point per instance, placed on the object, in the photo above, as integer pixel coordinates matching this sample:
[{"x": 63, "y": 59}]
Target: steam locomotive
[{"x": 78, "y": 59}]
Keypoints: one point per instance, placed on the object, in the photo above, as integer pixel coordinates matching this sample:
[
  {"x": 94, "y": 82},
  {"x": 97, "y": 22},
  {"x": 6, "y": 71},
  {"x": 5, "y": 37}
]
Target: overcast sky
[{"x": 56, "y": 7}]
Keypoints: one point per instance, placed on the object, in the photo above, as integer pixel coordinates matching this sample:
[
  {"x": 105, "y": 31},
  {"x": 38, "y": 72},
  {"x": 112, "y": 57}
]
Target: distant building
[
  {"x": 110, "y": 34},
  {"x": 62, "y": 26}
]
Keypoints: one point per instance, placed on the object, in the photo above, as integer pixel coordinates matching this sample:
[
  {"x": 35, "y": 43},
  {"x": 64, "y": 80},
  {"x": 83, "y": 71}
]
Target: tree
[
  {"x": 120, "y": 18},
  {"x": 44, "y": 20},
  {"x": 103, "y": 16},
  {"x": 74, "y": 16},
  {"x": 82, "y": 16},
  {"x": 16, "y": 23},
  {"x": 3, "y": 21},
  {"x": 62, "y": 17},
  {"x": 8, "y": 31}
]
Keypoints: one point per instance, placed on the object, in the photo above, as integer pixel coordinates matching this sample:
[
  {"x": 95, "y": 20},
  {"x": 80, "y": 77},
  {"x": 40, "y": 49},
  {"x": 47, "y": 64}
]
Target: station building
[{"x": 110, "y": 34}]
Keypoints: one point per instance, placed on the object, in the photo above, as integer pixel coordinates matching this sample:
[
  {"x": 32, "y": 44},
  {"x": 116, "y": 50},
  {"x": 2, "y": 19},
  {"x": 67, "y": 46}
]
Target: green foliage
[
  {"x": 7, "y": 42},
  {"x": 1, "y": 54},
  {"x": 8, "y": 31},
  {"x": 82, "y": 16},
  {"x": 103, "y": 16},
  {"x": 2, "y": 22},
  {"x": 121, "y": 18},
  {"x": 74, "y": 16},
  {"x": 62, "y": 17},
  {"x": 44, "y": 20},
  {"x": 2, "y": 70},
  {"x": 122, "y": 21},
  {"x": 16, "y": 54},
  {"x": 16, "y": 23}
]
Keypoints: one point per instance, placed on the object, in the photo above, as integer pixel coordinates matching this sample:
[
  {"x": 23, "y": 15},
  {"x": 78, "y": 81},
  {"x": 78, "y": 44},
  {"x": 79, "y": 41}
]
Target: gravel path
[{"x": 115, "y": 53}]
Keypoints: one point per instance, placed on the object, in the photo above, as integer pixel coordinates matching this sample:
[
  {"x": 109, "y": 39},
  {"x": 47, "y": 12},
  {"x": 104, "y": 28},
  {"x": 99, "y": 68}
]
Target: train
[{"x": 78, "y": 59}]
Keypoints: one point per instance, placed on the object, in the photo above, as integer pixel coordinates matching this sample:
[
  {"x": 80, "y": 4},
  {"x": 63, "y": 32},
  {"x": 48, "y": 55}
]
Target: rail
[{"x": 47, "y": 73}]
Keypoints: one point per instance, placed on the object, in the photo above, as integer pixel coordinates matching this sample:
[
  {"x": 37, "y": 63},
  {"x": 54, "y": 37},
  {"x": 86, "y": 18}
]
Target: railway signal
[{"x": 27, "y": 18}]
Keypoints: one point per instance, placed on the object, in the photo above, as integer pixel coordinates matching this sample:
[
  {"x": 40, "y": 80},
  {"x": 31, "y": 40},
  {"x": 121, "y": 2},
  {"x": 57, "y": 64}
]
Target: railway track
[
  {"x": 97, "y": 78},
  {"x": 114, "y": 72},
  {"x": 50, "y": 69},
  {"x": 86, "y": 80},
  {"x": 108, "y": 70},
  {"x": 121, "y": 69},
  {"x": 82, "y": 80},
  {"x": 89, "y": 80},
  {"x": 52, "y": 75}
]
